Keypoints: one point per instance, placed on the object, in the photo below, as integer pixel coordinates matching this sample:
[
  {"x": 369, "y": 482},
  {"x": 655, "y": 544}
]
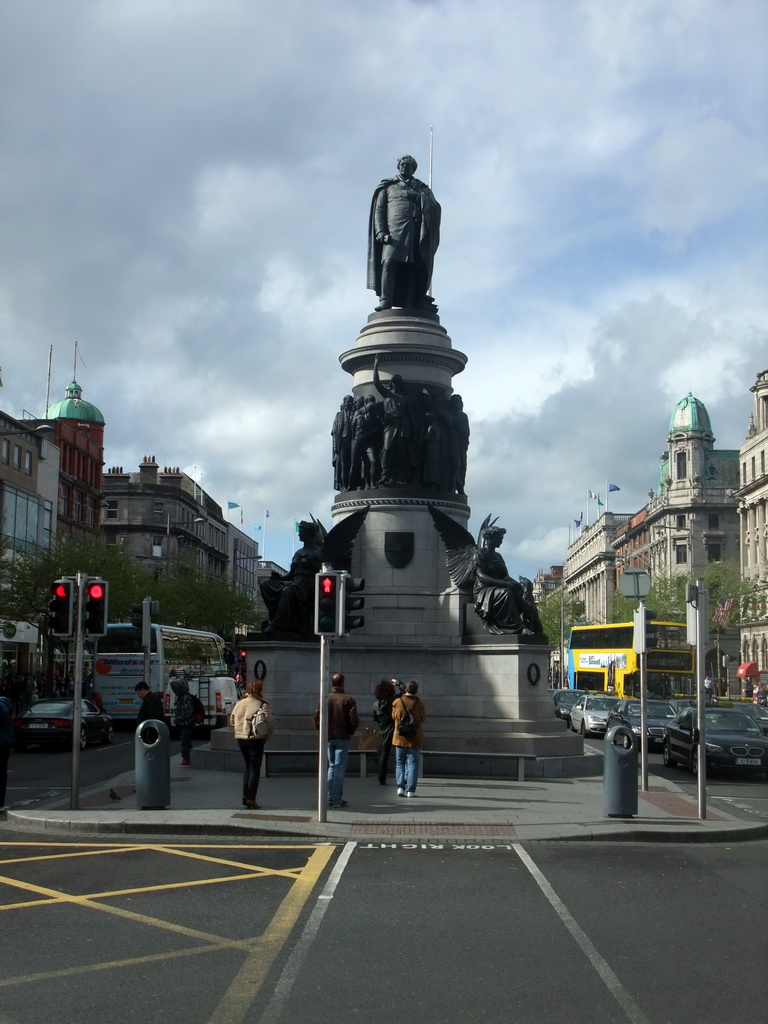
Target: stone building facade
[{"x": 752, "y": 505}]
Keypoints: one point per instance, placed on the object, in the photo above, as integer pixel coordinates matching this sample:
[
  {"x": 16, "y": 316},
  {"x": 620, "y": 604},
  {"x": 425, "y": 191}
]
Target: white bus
[{"x": 119, "y": 665}]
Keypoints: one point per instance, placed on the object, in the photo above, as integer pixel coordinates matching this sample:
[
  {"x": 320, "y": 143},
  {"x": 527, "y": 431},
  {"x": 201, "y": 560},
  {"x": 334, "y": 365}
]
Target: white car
[{"x": 589, "y": 715}]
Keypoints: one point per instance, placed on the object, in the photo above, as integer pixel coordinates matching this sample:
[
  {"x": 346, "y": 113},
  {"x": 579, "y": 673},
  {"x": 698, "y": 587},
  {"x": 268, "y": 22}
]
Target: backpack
[
  {"x": 407, "y": 725},
  {"x": 260, "y": 723},
  {"x": 198, "y": 710}
]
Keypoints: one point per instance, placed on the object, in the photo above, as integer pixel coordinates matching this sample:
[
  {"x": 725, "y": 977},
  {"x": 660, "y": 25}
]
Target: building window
[
  {"x": 762, "y": 463},
  {"x": 110, "y": 538},
  {"x": 753, "y": 467},
  {"x": 111, "y": 508},
  {"x": 157, "y": 547},
  {"x": 681, "y": 554},
  {"x": 28, "y": 463},
  {"x": 713, "y": 521},
  {"x": 743, "y": 473},
  {"x": 17, "y": 457},
  {"x": 714, "y": 553},
  {"x": 679, "y": 522},
  {"x": 157, "y": 512},
  {"x": 64, "y": 500},
  {"x": 681, "y": 465},
  {"x": 6, "y": 451},
  {"x": 78, "y": 512}
]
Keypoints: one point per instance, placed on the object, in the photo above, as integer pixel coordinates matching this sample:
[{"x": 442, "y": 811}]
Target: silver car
[{"x": 589, "y": 715}]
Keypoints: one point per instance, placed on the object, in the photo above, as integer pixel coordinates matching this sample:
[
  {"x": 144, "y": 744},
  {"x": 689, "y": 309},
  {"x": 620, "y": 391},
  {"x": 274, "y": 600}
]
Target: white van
[{"x": 219, "y": 694}]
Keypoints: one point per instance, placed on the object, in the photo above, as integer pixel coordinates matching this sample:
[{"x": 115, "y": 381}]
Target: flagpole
[
  {"x": 607, "y": 496},
  {"x": 264, "y": 544}
]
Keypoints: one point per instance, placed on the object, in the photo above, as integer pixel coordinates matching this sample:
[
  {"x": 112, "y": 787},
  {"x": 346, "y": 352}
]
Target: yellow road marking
[
  {"x": 248, "y": 981},
  {"x": 261, "y": 951}
]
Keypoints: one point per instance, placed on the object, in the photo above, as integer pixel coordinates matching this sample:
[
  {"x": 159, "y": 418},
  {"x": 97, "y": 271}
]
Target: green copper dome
[
  {"x": 690, "y": 415},
  {"x": 74, "y": 408}
]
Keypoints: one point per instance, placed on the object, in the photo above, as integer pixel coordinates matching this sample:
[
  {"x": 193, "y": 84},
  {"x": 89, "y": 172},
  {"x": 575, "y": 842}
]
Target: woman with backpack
[
  {"x": 253, "y": 725},
  {"x": 408, "y": 715}
]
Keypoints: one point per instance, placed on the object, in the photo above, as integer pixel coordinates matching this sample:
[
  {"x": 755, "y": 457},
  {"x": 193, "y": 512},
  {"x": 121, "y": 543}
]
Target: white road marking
[
  {"x": 612, "y": 983},
  {"x": 287, "y": 979}
]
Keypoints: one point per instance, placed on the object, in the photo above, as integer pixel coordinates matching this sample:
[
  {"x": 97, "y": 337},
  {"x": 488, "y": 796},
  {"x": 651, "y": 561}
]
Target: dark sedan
[
  {"x": 627, "y": 713},
  {"x": 564, "y": 701},
  {"x": 49, "y": 722},
  {"x": 732, "y": 740},
  {"x": 758, "y": 712}
]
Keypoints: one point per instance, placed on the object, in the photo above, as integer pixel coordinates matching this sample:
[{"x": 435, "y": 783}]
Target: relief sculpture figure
[
  {"x": 290, "y": 598},
  {"x": 504, "y": 605}
]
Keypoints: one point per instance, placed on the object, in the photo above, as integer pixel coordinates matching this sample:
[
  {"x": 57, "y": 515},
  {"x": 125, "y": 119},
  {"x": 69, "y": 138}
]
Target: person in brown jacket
[
  {"x": 408, "y": 748},
  {"x": 342, "y": 723}
]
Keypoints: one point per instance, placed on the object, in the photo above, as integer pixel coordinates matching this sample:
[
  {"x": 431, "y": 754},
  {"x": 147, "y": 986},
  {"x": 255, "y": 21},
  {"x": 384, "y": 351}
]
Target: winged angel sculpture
[
  {"x": 290, "y": 598},
  {"x": 504, "y": 605}
]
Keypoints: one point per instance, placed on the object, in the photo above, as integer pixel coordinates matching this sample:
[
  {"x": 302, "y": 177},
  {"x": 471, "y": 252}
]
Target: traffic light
[
  {"x": 328, "y": 603},
  {"x": 351, "y": 604},
  {"x": 61, "y": 609},
  {"x": 96, "y": 612}
]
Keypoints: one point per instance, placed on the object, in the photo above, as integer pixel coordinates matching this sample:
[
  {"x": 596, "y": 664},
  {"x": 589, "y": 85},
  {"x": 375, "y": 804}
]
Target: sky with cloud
[{"x": 184, "y": 192}]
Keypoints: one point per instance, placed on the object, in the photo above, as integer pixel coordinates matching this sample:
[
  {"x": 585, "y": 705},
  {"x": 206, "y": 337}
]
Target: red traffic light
[
  {"x": 59, "y": 590},
  {"x": 327, "y": 584},
  {"x": 95, "y": 590}
]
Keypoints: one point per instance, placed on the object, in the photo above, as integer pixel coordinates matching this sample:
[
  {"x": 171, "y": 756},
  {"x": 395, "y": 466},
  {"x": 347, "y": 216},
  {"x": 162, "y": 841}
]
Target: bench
[
  {"x": 520, "y": 758},
  {"x": 365, "y": 754},
  {"x": 362, "y": 754}
]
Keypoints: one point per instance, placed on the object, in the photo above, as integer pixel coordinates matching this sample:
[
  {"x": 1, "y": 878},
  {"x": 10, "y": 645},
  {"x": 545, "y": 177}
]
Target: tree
[
  {"x": 722, "y": 581},
  {"x": 190, "y": 598}
]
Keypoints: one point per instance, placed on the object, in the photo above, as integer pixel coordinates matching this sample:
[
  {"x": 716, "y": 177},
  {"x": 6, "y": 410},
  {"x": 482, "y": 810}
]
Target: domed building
[{"x": 79, "y": 435}]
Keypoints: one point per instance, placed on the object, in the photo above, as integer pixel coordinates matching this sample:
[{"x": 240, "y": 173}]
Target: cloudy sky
[{"x": 184, "y": 191}]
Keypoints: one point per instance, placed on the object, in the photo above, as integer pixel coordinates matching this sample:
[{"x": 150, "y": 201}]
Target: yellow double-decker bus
[{"x": 603, "y": 659}]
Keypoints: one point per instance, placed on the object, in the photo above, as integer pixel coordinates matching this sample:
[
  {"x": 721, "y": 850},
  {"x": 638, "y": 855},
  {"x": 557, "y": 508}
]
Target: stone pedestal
[{"x": 484, "y": 694}]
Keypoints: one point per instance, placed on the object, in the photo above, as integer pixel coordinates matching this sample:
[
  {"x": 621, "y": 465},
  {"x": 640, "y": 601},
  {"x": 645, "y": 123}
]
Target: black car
[
  {"x": 758, "y": 712},
  {"x": 49, "y": 722},
  {"x": 564, "y": 701},
  {"x": 627, "y": 713},
  {"x": 732, "y": 740}
]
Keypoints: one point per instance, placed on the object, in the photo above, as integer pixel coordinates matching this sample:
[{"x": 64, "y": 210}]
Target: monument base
[{"x": 481, "y": 698}]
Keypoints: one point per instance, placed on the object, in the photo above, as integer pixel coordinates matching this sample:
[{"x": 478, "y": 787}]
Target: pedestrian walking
[
  {"x": 151, "y": 704},
  {"x": 184, "y": 713},
  {"x": 408, "y": 714},
  {"x": 252, "y": 748},
  {"x": 343, "y": 720},
  {"x": 382, "y": 716},
  {"x": 6, "y": 741}
]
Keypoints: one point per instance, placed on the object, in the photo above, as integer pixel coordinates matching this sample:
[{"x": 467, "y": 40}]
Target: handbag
[{"x": 370, "y": 739}]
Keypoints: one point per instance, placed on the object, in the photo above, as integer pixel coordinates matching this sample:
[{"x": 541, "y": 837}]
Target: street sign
[{"x": 635, "y": 583}]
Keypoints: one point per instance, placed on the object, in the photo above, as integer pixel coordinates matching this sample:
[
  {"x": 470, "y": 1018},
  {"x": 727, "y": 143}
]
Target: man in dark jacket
[
  {"x": 342, "y": 723},
  {"x": 151, "y": 704}
]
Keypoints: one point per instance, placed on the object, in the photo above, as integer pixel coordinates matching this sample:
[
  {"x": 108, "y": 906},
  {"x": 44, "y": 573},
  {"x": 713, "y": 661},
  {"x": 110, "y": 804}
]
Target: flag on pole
[
  {"x": 613, "y": 487},
  {"x": 232, "y": 504},
  {"x": 257, "y": 526},
  {"x": 295, "y": 526},
  {"x": 266, "y": 513}
]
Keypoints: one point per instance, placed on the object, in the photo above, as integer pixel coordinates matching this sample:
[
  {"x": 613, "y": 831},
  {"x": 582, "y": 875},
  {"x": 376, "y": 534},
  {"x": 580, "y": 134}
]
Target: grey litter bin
[
  {"x": 153, "y": 765},
  {"x": 620, "y": 773}
]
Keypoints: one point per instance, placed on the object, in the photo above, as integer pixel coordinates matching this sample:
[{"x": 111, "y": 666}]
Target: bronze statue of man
[{"x": 404, "y": 233}]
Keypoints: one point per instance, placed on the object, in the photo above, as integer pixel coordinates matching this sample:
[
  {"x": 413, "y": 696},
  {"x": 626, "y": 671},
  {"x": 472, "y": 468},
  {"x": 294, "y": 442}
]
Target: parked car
[
  {"x": 732, "y": 739},
  {"x": 564, "y": 701},
  {"x": 627, "y": 713},
  {"x": 50, "y": 722},
  {"x": 589, "y": 714},
  {"x": 756, "y": 711}
]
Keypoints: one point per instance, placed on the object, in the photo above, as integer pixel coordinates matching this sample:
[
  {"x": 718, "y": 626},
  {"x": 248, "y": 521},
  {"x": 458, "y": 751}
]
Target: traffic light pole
[
  {"x": 644, "y": 700},
  {"x": 77, "y": 695},
  {"x": 322, "y": 751}
]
